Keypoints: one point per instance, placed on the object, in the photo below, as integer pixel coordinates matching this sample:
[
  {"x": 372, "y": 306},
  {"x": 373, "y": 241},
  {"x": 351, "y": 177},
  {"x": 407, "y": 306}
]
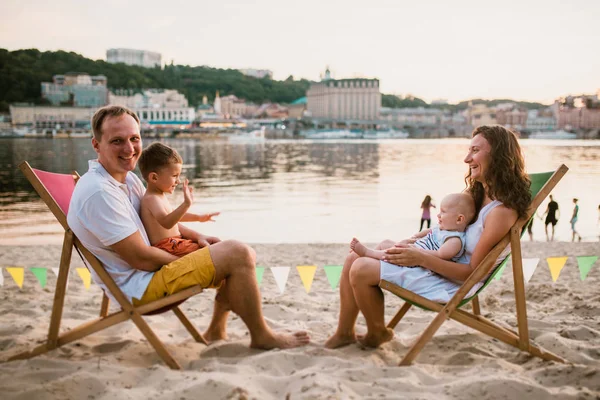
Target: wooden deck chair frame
[
  {"x": 475, "y": 320},
  {"x": 128, "y": 310}
]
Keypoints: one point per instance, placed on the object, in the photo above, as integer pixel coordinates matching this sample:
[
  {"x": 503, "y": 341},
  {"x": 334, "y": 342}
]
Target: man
[
  {"x": 551, "y": 217},
  {"x": 104, "y": 215}
]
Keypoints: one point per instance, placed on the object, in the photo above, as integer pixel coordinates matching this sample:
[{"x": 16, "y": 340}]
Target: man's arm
[
  {"x": 448, "y": 249},
  {"x": 139, "y": 255}
]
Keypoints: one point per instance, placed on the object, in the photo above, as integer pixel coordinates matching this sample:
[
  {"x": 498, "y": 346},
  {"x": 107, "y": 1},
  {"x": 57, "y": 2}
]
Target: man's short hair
[
  {"x": 109, "y": 111},
  {"x": 157, "y": 156}
]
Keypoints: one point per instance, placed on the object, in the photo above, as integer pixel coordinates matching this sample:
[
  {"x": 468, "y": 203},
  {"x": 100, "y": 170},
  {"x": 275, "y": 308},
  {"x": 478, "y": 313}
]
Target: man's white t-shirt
[{"x": 104, "y": 211}]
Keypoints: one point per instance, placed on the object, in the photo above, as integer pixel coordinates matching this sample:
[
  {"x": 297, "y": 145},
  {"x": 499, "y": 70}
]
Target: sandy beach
[{"x": 564, "y": 318}]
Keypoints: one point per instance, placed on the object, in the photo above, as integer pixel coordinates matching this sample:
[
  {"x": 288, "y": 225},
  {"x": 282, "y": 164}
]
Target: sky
[{"x": 454, "y": 50}]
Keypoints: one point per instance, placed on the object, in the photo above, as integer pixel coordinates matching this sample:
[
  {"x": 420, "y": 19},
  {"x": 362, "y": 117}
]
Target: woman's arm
[{"x": 497, "y": 224}]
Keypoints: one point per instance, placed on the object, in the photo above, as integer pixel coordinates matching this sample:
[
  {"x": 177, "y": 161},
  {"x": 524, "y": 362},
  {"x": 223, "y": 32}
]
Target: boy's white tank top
[{"x": 474, "y": 231}]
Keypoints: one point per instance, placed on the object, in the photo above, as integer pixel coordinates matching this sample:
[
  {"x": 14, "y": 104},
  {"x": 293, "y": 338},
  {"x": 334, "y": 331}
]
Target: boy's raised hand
[
  {"x": 188, "y": 196},
  {"x": 207, "y": 217}
]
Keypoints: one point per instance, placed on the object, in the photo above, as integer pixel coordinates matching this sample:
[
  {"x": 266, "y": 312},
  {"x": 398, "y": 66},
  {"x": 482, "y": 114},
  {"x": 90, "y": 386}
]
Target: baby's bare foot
[
  {"x": 281, "y": 341},
  {"x": 358, "y": 247},
  {"x": 375, "y": 339},
  {"x": 340, "y": 340}
]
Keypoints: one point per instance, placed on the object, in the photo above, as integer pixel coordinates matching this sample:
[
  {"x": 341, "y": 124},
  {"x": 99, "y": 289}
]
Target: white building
[
  {"x": 357, "y": 99},
  {"x": 51, "y": 117},
  {"x": 156, "y": 107},
  {"x": 540, "y": 120},
  {"x": 257, "y": 73},
  {"x": 417, "y": 116},
  {"x": 142, "y": 58}
]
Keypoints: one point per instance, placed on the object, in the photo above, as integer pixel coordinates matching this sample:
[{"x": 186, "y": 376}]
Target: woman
[
  {"x": 426, "y": 214},
  {"x": 500, "y": 187}
]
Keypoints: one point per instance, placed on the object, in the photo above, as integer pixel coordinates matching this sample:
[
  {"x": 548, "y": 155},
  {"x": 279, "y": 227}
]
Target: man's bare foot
[
  {"x": 281, "y": 341},
  {"x": 358, "y": 247},
  {"x": 212, "y": 335},
  {"x": 340, "y": 340},
  {"x": 376, "y": 339}
]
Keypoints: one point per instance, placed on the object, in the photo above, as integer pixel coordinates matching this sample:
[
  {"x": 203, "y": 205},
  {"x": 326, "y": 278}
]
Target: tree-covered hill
[{"x": 22, "y": 71}]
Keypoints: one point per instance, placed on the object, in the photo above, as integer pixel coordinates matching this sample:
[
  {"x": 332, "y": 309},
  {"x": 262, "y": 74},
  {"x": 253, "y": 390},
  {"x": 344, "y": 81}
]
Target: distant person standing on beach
[
  {"x": 551, "y": 216},
  {"x": 574, "y": 221},
  {"x": 426, "y": 215}
]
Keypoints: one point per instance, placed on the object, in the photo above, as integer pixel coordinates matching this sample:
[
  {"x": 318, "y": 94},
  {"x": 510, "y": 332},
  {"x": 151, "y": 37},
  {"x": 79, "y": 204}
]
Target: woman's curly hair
[{"x": 505, "y": 177}]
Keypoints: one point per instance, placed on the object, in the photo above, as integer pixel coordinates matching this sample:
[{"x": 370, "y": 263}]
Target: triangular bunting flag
[
  {"x": 307, "y": 274},
  {"x": 281, "y": 276},
  {"x": 55, "y": 270},
  {"x": 529, "y": 266},
  {"x": 499, "y": 274},
  {"x": 41, "y": 274},
  {"x": 17, "y": 274},
  {"x": 85, "y": 276},
  {"x": 333, "y": 272},
  {"x": 260, "y": 271},
  {"x": 556, "y": 265},
  {"x": 585, "y": 264},
  {"x": 1, "y": 278}
]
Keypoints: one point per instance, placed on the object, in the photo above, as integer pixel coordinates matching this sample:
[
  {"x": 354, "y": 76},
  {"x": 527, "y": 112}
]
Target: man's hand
[
  {"x": 188, "y": 195},
  {"x": 207, "y": 217},
  {"x": 204, "y": 240}
]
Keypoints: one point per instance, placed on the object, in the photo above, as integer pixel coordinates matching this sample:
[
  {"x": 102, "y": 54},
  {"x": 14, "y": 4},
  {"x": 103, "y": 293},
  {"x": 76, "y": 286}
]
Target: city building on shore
[
  {"x": 344, "y": 99},
  {"x": 156, "y": 108},
  {"x": 56, "y": 118},
  {"x": 76, "y": 89},
  {"x": 141, "y": 58},
  {"x": 578, "y": 112},
  {"x": 511, "y": 116},
  {"x": 540, "y": 120},
  {"x": 257, "y": 73},
  {"x": 417, "y": 116}
]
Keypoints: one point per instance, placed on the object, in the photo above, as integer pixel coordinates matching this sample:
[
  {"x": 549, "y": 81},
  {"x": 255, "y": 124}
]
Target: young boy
[
  {"x": 447, "y": 240},
  {"x": 161, "y": 167}
]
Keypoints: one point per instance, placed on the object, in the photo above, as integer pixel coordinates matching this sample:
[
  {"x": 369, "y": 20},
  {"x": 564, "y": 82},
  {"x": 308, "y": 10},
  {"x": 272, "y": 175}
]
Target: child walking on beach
[
  {"x": 447, "y": 240},
  {"x": 426, "y": 214},
  {"x": 161, "y": 168}
]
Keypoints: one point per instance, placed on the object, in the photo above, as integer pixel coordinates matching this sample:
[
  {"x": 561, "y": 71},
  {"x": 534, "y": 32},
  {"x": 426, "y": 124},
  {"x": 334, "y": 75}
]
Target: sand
[{"x": 460, "y": 363}]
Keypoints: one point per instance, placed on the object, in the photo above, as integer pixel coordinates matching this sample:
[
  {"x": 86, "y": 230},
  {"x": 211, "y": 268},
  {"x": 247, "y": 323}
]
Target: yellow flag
[
  {"x": 17, "y": 273},
  {"x": 556, "y": 265},
  {"x": 307, "y": 274},
  {"x": 85, "y": 276}
]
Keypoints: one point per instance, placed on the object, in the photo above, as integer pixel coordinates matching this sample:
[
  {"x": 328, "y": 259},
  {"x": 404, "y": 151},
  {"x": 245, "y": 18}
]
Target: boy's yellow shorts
[{"x": 196, "y": 268}]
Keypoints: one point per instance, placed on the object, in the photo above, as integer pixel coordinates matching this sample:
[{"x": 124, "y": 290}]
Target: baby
[
  {"x": 447, "y": 240},
  {"x": 161, "y": 167}
]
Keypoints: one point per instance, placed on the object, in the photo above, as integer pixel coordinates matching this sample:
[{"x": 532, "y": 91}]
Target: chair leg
[
  {"x": 61, "y": 289},
  {"x": 189, "y": 326},
  {"x": 399, "y": 315},
  {"x": 154, "y": 340},
  {"x": 105, "y": 305},
  {"x": 475, "y": 305}
]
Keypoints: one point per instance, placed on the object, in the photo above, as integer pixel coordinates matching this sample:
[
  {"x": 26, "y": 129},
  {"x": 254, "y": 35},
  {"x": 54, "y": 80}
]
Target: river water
[{"x": 300, "y": 191}]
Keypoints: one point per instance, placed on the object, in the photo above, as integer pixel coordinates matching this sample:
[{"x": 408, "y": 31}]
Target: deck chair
[
  {"x": 541, "y": 185},
  {"x": 56, "y": 191}
]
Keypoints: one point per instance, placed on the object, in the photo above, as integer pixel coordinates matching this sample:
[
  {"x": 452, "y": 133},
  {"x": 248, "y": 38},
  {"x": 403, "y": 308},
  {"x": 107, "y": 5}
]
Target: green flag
[
  {"x": 333, "y": 272},
  {"x": 260, "y": 271},
  {"x": 40, "y": 274},
  {"x": 585, "y": 264}
]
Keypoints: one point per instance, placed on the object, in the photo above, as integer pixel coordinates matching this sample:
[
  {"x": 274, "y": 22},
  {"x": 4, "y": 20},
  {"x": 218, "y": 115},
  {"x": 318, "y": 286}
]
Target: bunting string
[{"x": 307, "y": 273}]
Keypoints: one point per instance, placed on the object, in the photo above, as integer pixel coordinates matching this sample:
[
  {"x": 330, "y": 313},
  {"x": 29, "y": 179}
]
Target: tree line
[{"x": 23, "y": 71}]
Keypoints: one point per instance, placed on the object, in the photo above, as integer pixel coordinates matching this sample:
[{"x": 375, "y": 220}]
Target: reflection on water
[{"x": 303, "y": 191}]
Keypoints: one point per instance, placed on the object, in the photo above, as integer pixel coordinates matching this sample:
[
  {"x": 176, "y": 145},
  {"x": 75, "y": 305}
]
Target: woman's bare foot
[
  {"x": 281, "y": 341},
  {"x": 340, "y": 340},
  {"x": 214, "y": 335},
  {"x": 375, "y": 339},
  {"x": 358, "y": 247}
]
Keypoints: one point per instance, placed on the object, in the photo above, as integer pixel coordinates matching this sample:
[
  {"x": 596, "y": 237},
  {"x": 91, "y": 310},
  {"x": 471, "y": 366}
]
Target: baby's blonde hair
[{"x": 463, "y": 204}]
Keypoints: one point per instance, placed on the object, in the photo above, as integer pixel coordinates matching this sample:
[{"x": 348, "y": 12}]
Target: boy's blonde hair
[{"x": 157, "y": 156}]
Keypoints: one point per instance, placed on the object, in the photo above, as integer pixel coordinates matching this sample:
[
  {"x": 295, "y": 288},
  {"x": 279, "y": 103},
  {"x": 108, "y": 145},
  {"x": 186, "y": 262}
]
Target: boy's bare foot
[
  {"x": 375, "y": 339},
  {"x": 358, "y": 247},
  {"x": 340, "y": 340},
  {"x": 281, "y": 341}
]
